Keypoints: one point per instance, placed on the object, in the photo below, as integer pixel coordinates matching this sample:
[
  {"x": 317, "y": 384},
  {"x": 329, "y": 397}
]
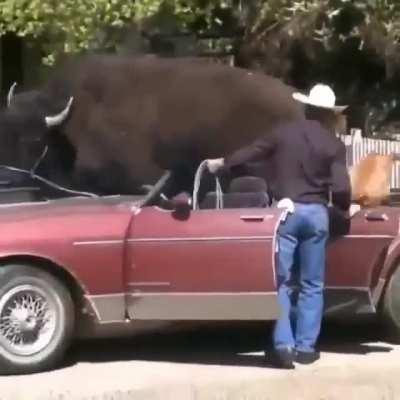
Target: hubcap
[{"x": 27, "y": 320}]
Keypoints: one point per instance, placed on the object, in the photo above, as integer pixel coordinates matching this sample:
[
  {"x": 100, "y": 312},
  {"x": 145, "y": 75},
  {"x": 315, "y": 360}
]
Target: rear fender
[{"x": 389, "y": 266}]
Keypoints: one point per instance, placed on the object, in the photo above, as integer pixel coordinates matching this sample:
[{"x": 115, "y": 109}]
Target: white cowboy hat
[{"x": 320, "y": 96}]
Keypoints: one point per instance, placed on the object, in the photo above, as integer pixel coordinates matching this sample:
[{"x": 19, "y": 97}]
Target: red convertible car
[{"x": 110, "y": 265}]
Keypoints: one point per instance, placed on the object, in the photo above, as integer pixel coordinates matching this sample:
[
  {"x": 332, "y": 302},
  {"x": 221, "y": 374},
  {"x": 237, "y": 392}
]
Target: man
[{"x": 309, "y": 164}]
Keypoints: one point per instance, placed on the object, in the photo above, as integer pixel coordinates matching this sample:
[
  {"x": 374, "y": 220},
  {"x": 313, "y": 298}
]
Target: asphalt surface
[{"x": 218, "y": 364}]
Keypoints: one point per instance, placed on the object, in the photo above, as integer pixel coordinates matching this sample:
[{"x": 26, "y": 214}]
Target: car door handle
[
  {"x": 252, "y": 218},
  {"x": 376, "y": 216}
]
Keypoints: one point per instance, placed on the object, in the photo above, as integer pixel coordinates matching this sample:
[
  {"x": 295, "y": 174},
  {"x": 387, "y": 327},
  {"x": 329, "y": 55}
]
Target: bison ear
[
  {"x": 58, "y": 119},
  {"x": 11, "y": 94}
]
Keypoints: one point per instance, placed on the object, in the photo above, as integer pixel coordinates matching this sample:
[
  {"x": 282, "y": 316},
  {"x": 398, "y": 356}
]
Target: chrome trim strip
[
  {"x": 361, "y": 288},
  {"x": 336, "y": 308},
  {"x": 334, "y": 300},
  {"x": 172, "y": 239},
  {"x": 256, "y": 217},
  {"x": 24, "y": 203},
  {"x": 95, "y": 242},
  {"x": 371, "y": 300},
  {"x": 159, "y": 209},
  {"x": 93, "y": 306},
  {"x": 201, "y": 294},
  {"x": 198, "y": 239},
  {"x": 95, "y": 296},
  {"x": 392, "y": 247},
  {"x": 378, "y": 290},
  {"x": 369, "y": 236},
  {"x": 203, "y": 306},
  {"x": 108, "y": 307},
  {"x": 108, "y": 295},
  {"x": 275, "y": 247},
  {"x": 115, "y": 321},
  {"x": 398, "y": 225},
  {"x": 356, "y": 288},
  {"x": 207, "y": 239},
  {"x": 149, "y": 284},
  {"x": 136, "y": 210}
]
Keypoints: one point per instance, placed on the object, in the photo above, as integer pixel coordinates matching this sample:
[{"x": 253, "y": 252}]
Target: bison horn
[
  {"x": 58, "y": 119},
  {"x": 11, "y": 93}
]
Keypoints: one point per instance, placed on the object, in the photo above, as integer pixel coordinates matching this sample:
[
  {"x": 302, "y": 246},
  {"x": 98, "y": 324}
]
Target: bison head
[{"x": 27, "y": 125}]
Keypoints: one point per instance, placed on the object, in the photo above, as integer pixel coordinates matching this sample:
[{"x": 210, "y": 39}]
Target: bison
[{"x": 113, "y": 123}]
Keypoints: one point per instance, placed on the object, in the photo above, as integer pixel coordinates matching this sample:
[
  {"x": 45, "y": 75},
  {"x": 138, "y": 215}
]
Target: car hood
[{"x": 66, "y": 219}]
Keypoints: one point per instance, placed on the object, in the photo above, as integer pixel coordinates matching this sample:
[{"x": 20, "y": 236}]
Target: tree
[
  {"x": 275, "y": 32},
  {"x": 71, "y": 26},
  {"x": 325, "y": 25}
]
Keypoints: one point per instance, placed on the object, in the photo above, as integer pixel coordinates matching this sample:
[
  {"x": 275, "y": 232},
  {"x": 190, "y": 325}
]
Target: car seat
[{"x": 243, "y": 192}]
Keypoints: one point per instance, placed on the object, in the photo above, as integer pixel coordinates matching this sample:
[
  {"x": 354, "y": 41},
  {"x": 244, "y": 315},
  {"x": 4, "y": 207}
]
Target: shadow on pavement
[
  {"x": 234, "y": 346},
  {"x": 354, "y": 338}
]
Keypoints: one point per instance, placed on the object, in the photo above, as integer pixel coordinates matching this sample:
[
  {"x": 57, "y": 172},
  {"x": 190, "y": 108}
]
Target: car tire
[
  {"x": 36, "y": 319},
  {"x": 391, "y": 308}
]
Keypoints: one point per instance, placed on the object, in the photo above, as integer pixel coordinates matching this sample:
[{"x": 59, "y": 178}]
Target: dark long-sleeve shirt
[{"x": 306, "y": 161}]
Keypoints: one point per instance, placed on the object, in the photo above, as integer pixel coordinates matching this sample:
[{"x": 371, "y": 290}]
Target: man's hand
[
  {"x": 337, "y": 212},
  {"x": 215, "y": 164}
]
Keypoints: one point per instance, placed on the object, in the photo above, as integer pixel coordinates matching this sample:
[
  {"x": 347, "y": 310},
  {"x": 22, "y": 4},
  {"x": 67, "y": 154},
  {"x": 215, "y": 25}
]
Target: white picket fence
[{"x": 358, "y": 147}]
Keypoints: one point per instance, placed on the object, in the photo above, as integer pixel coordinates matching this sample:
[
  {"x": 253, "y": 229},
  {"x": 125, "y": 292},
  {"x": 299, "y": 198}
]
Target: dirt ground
[{"x": 217, "y": 364}]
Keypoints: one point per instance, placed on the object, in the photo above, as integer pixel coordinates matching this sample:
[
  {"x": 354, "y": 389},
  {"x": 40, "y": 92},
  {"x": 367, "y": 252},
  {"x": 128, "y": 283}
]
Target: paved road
[{"x": 216, "y": 364}]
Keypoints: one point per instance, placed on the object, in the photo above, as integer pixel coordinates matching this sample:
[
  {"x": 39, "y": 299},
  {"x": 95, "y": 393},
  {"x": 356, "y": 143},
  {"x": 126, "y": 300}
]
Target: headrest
[{"x": 247, "y": 184}]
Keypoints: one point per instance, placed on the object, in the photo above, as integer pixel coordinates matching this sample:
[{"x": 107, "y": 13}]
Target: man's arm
[
  {"x": 341, "y": 187},
  {"x": 257, "y": 151}
]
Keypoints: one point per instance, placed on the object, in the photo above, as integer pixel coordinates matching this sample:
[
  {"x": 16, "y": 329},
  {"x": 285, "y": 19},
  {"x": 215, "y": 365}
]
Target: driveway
[{"x": 218, "y": 363}]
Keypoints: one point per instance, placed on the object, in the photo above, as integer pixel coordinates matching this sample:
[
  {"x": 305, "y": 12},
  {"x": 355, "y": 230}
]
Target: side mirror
[{"x": 181, "y": 206}]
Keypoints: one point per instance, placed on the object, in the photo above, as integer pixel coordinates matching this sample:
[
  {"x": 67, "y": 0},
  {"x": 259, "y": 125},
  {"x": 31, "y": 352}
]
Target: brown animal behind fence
[
  {"x": 371, "y": 178},
  {"x": 358, "y": 148}
]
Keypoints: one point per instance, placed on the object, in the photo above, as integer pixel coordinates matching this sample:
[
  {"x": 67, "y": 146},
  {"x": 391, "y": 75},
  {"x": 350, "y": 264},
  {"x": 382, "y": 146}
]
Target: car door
[{"x": 217, "y": 264}]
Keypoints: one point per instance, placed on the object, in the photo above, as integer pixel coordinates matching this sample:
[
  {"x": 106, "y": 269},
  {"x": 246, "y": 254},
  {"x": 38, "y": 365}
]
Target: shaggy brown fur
[{"x": 147, "y": 114}]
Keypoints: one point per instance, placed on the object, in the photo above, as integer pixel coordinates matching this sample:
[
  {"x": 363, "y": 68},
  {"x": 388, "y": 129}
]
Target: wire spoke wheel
[
  {"x": 37, "y": 318},
  {"x": 27, "y": 320}
]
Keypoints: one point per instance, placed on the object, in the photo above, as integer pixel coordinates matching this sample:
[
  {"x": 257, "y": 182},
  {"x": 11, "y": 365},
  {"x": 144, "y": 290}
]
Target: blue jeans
[{"x": 302, "y": 241}]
